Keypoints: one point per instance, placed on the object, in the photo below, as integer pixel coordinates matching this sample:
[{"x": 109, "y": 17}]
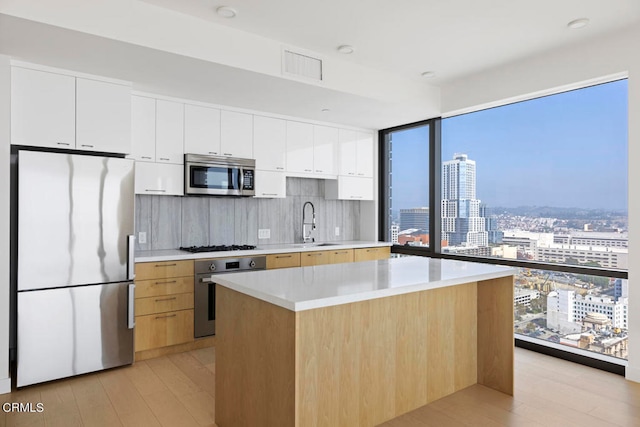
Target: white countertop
[
  {"x": 305, "y": 288},
  {"x": 176, "y": 254}
]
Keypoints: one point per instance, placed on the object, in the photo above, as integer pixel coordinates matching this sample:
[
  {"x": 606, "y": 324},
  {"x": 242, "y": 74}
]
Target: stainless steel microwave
[{"x": 219, "y": 176}]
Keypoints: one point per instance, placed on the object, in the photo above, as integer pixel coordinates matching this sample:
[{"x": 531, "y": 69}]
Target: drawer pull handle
[
  {"x": 269, "y": 194},
  {"x": 164, "y": 158},
  {"x": 63, "y": 143},
  {"x": 228, "y": 154},
  {"x": 166, "y": 299},
  {"x": 146, "y": 157},
  {"x": 213, "y": 152},
  {"x": 314, "y": 254},
  {"x": 283, "y": 256},
  {"x": 164, "y": 283},
  {"x": 343, "y": 252},
  {"x": 151, "y": 189},
  {"x": 166, "y": 317},
  {"x": 86, "y": 145},
  {"x": 166, "y": 265}
]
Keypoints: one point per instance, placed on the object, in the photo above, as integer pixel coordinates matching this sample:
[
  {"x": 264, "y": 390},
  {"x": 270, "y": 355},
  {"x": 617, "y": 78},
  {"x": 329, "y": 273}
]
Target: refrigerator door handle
[
  {"x": 131, "y": 264},
  {"x": 131, "y": 321}
]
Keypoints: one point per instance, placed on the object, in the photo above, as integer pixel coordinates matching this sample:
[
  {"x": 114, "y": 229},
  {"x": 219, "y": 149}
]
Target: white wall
[
  {"x": 5, "y": 105},
  {"x": 144, "y": 24},
  {"x": 586, "y": 62}
]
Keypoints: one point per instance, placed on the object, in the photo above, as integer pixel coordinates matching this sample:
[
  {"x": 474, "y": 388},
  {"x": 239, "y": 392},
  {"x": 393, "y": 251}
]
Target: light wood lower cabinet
[
  {"x": 371, "y": 254},
  {"x": 164, "y": 304},
  {"x": 163, "y": 329},
  {"x": 340, "y": 255},
  {"x": 314, "y": 258},
  {"x": 335, "y": 256},
  {"x": 283, "y": 260}
]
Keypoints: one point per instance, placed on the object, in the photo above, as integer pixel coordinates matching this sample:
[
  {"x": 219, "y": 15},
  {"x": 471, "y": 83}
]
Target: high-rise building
[
  {"x": 462, "y": 224},
  {"x": 394, "y": 233},
  {"x": 417, "y": 218}
]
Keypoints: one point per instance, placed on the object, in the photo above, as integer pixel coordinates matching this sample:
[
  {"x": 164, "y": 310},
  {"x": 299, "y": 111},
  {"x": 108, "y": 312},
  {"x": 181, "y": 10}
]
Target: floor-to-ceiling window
[
  {"x": 407, "y": 215},
  {"x": 541, "y": 185}
]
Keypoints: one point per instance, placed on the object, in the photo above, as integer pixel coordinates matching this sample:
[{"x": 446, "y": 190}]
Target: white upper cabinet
[
  {"x": 50, "y": 109},
  {"x": 364, "y": 155},
  {"x": 236, "y": 134},
  {"x": 356, "y": 153},
  {"x": 269, "y": 143},
  {"x": 299, "y": 147},
  {"x": 169, "y": 132},
  {"x": 349, "y": 188},
  {"x": 159, "y": 179},
  {"x": 201, "y": 130},
  {"x": 103, "y": 116},
  {"x": 325, "y": 146},
  {"x": 348, "y": 149},
  {"x": 270, "y": 184},
  {"x": 42, "y": 108},
  {"x": 143, "y": 129}
]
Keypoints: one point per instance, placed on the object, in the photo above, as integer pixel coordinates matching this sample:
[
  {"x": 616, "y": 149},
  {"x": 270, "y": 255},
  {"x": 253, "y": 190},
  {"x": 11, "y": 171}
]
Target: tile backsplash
[{"x": 171, "y": 222}]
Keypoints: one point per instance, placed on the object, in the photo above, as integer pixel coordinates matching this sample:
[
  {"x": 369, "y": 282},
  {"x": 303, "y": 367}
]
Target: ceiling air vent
[{"x": 301, "y": 65}]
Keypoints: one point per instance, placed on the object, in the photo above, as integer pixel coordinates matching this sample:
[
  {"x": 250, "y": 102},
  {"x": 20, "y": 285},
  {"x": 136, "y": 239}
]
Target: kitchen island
[{"x": 358, "y": 344}]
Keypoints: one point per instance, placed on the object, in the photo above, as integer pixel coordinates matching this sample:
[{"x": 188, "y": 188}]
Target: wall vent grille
[{"x": 299, "y": 65}]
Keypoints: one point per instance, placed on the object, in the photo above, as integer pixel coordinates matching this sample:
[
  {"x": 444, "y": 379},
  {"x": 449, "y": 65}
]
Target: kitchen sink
[{"x": 314, "y": 245}]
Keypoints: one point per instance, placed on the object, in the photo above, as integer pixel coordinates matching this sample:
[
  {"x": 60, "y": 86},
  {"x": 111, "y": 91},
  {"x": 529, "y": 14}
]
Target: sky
[{"x": 565, "y": 150}]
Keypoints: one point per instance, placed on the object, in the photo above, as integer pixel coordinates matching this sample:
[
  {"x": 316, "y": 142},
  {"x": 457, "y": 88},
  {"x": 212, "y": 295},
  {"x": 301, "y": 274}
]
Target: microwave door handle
[{"x": 241, "y": 180}]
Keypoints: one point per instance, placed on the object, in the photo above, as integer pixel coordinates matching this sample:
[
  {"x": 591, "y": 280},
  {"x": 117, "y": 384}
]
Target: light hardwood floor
[{"x": 178, "y": 390}]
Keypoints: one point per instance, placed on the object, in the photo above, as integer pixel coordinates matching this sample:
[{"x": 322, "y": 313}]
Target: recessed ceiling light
[
  {"x": 226, "y": 12},
  {"x": 346, "y": 49},
  {"x": 429, "y": 74},
  {"x": 578, "y": 23}
]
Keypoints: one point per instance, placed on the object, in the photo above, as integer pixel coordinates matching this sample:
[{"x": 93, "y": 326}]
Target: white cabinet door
[
  {"x": 143, "y": 129},
  {"x": 169, "y": 132},
  {"x": 236, "y": 134},
  {"x": 269, "y": 143},
  {"x": 43, "y": 108},
  {"x": 159, "y": 179},
  {"x": 349, "y": 188},
  {"x": 201, "y": 130},
  {"x": 325, "y": 145},
  {"x": 270, "y": 184},
  {"x": 364, "y": 155},
  {"x": 299, "y": 147},
  {"x": 103, "y": 116},
  {"x": 348, "y": 152}
]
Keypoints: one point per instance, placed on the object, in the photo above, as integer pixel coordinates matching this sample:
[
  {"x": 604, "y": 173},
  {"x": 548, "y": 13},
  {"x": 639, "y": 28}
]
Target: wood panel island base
[{"x": 358, "y": 344}]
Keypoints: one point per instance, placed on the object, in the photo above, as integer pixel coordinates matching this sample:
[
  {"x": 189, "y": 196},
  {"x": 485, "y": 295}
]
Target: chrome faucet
[{"x": 311, "y": 225}]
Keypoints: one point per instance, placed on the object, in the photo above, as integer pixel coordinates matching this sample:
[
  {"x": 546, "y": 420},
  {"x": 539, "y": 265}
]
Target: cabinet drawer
[
  {"x": 283, "y": 260},
  {"x": 164, "y": 269},
  {"x": 314, "y": 258},
  {"x": 164, "y": 286},
  {"x": 340, "y": 255},
  {"x": 163, "y": 304},
  {"x": 161, "y": 330},
  {"x": 371, "y": 254}
]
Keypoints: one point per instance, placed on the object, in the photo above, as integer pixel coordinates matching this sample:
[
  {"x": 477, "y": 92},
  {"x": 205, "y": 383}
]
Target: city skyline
[{"x": 565, "y": 151}]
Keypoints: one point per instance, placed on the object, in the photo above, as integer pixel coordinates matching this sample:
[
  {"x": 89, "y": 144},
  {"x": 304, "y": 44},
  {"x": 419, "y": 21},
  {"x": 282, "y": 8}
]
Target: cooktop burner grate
[{"x": 217, "y": 248}]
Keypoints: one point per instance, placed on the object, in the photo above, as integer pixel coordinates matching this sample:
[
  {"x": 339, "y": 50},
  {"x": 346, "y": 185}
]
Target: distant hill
[{"x": 559, "y": 213}]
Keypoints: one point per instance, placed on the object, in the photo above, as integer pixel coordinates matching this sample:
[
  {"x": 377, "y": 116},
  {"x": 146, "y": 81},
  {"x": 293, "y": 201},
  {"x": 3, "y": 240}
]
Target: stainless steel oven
[
  {"x": 205, "y": 287},
  {"x": 219, "y": 176}
]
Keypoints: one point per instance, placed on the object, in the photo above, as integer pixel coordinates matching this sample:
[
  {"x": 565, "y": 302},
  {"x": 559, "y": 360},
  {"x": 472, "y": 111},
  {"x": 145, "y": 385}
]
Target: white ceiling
[
  {"x": 408, "y": 37},
  {"x": 399, "y": 39}
]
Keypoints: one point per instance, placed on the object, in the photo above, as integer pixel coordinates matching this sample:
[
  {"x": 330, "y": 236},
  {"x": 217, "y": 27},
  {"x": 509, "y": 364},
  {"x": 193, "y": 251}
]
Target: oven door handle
[{"x": 206, "y": 280}]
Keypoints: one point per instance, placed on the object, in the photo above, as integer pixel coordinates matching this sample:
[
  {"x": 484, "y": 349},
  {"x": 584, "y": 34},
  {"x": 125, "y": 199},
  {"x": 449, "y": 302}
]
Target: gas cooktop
[{"x": 217, "y": 248}]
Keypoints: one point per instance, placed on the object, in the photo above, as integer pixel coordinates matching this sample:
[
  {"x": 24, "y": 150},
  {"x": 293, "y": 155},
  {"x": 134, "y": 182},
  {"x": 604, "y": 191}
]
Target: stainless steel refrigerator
[{"x": 75, "y": 265}]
